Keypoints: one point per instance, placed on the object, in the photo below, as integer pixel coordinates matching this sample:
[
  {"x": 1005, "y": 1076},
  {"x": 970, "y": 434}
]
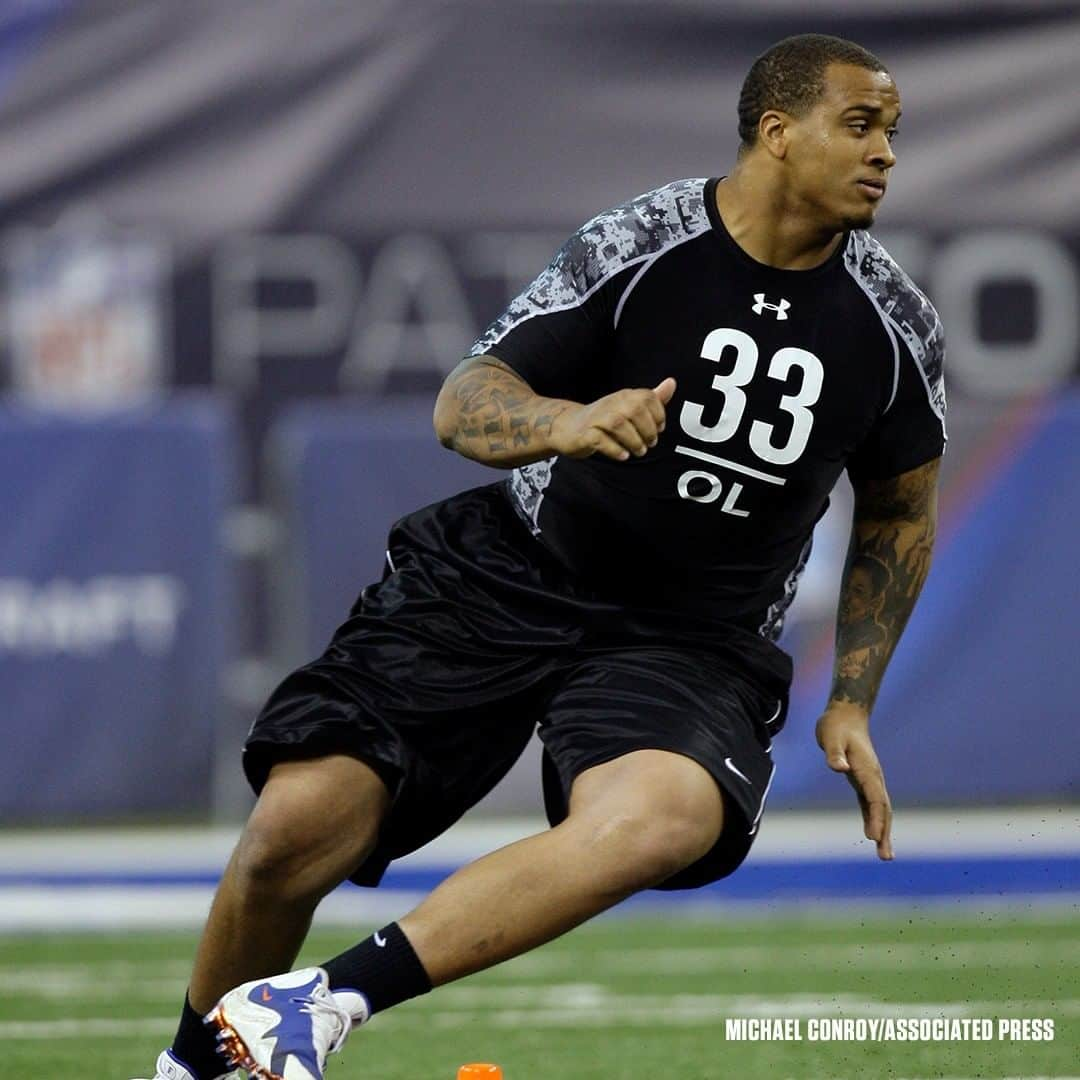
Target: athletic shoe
[
  {"x": 281, "y": 1028},
  {"x": 170, "y": 1068}
]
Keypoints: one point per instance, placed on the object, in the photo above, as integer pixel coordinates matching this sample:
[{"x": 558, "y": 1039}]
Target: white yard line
[
  {"x": 88, "y": 1028},
  {"x": 754, "y": 958},
  {"x": 106, "y": 982},
  {"x": 128, "y": 971},
  {"x": 30, "y": 908},
  {"x": 595, "y": 1008}
]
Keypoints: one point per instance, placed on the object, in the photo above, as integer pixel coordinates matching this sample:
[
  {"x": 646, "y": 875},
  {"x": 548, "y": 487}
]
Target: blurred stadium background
[{"x": 242, "y": 242}]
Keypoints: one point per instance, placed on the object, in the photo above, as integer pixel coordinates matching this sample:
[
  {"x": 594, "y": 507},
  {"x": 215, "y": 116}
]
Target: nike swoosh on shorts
[{"x": 740, "y": 775}]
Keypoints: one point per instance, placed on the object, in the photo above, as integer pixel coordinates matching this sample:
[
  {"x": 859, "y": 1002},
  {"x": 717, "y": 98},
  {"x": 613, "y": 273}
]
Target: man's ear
[{"x": 774, "y": 132}]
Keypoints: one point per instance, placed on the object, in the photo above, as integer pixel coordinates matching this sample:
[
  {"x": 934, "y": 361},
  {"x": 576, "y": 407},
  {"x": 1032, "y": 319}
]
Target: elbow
[{"x": 444, "y": 419}]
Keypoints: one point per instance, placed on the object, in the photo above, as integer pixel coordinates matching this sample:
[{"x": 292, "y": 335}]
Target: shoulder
[
  {"x": 632, "y": 231},
  {"x": 908, "y": 316},
  {"x": 592, "y": 260},
  {"x": 900, "y": 304}
]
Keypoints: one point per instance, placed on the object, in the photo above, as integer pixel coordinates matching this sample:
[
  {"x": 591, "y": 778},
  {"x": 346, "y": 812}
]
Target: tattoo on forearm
[
  {"x": 497, "y": 413},
  {"x": 889, "y": 558}
]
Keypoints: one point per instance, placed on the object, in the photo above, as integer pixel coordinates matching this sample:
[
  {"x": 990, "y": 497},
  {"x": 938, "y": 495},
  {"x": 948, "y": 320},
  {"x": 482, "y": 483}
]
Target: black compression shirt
[{"x": 785, "y": 378}]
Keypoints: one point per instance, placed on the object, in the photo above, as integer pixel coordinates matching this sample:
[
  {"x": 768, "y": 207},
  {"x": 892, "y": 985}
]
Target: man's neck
[{"x": 769, "y": 225}]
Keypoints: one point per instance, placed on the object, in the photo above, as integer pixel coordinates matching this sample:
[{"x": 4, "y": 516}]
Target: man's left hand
[{"x": 844, "y": 735}]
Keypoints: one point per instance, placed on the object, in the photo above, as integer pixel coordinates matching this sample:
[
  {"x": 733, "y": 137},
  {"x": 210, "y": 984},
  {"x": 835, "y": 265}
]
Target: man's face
[
  {"x": 840, "y": 152},
  {"x": 858, "y": 600}
]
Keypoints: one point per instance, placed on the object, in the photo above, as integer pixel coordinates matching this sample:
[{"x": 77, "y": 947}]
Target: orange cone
[{"x": 479, "y": 1071}]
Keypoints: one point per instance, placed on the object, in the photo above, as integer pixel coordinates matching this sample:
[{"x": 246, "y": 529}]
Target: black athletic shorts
[{"x": 475, "y": 636}]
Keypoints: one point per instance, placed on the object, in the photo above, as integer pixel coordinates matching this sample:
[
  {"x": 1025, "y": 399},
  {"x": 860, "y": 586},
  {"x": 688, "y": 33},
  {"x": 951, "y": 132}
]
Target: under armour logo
[{"x": 781, "y": 309}]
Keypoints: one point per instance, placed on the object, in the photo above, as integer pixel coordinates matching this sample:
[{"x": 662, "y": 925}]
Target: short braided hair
[{"x": 790, "y": 76}]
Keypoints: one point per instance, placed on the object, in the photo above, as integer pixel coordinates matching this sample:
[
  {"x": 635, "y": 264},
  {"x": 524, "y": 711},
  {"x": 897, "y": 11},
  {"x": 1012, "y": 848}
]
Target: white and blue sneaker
[
  {"x": 172, "y": 1068},
  {"x": 281, "y": 1028}
]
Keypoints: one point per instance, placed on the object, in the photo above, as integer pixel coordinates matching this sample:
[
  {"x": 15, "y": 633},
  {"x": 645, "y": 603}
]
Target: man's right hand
[{"x": 624, "y": 423}]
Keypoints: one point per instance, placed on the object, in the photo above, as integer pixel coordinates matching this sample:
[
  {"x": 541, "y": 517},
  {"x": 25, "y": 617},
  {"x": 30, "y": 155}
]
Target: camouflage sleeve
[
  {"x": 557, "y": 334},
  {"x": 911, "y": 428}
]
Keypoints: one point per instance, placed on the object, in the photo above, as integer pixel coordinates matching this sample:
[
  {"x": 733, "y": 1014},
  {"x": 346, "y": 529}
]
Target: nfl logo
[{"x": 86, "y": 309}]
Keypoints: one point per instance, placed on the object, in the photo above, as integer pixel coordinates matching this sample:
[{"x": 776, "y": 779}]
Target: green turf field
[{"x": 622, "y": 999}]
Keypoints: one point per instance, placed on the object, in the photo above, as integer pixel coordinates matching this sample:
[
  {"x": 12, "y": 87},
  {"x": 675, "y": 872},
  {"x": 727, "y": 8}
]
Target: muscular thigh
[{"x": 616, "y": 702}]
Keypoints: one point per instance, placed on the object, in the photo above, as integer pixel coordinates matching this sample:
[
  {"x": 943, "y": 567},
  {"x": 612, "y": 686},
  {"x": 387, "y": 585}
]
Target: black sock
[
  {"x": 196, "y": 1046},
  {"x": 384, "y": 969}
]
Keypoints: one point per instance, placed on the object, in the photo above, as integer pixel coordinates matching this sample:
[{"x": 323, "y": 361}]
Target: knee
[
  {"x": 301, "y": 841},
  {"x": 270, "y": 859},
  {"x": 275, "y": 859},
  {"x": 646, "y": 816},
  {"x": 649, "y": 845}
]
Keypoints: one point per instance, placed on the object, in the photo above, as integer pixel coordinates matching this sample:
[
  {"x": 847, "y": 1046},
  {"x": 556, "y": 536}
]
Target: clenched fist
[{"x": 618, "y": 425}]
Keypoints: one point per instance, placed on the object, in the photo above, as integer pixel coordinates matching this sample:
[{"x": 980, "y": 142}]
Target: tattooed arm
[
  {"x": 487, "y": 412},
  {"x": 892, "y": 539},
  {"x": 889, "y": 558}
]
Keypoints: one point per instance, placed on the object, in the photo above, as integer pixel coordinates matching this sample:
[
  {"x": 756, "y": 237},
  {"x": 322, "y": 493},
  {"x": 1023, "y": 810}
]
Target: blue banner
[
  {"x": 345, "y": 474},
  {"x": 115, "y": 607}
]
